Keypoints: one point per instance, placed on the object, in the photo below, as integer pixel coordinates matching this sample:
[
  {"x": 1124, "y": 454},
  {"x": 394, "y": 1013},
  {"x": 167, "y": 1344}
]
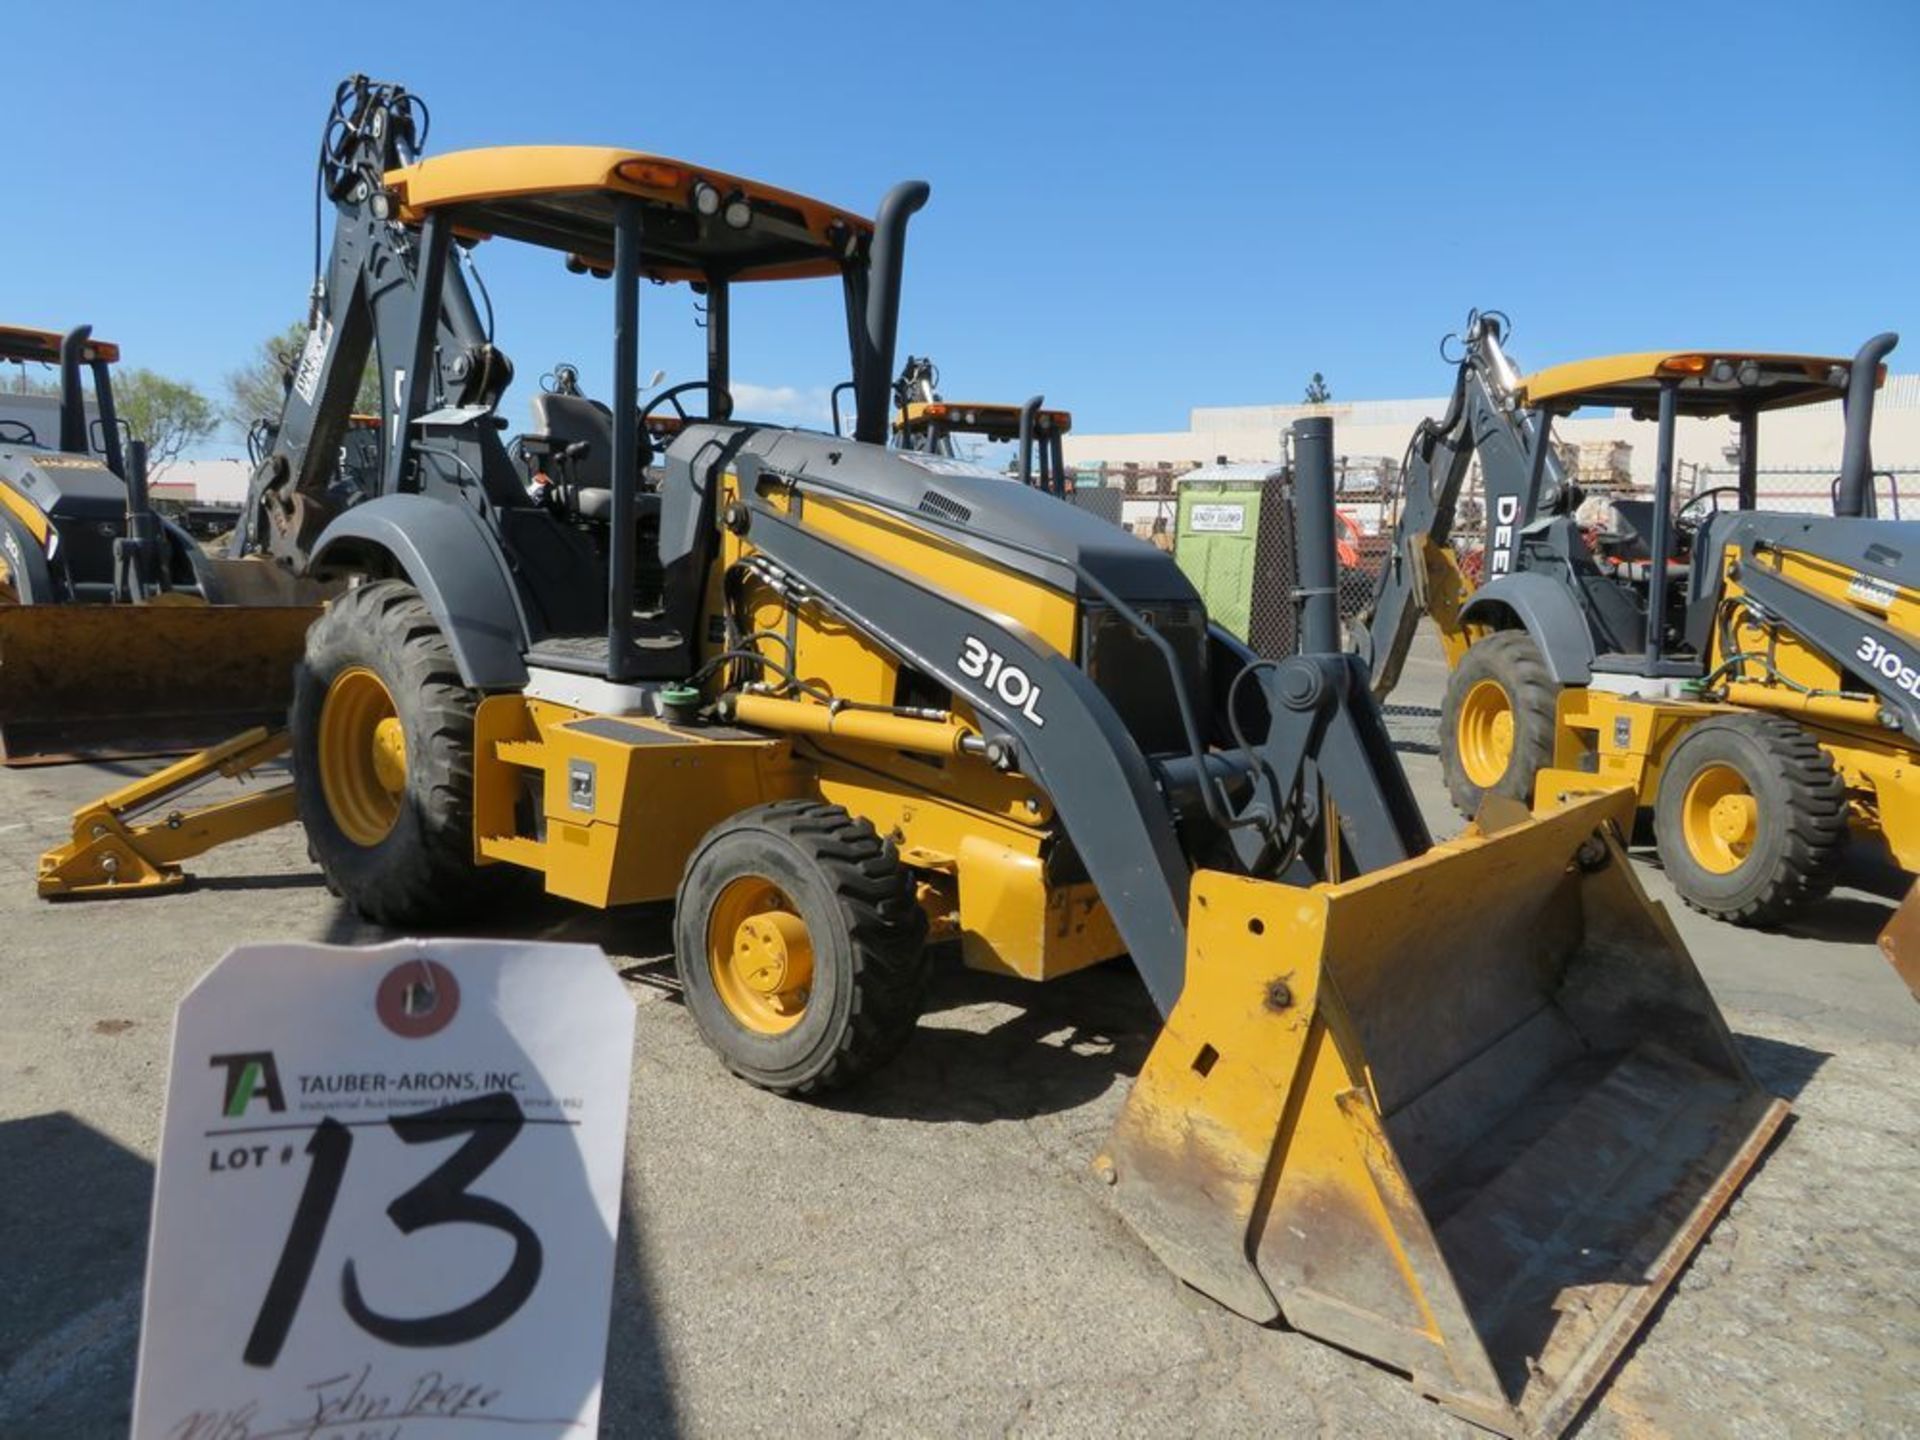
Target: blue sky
[{"x": 1136, "y": 209}]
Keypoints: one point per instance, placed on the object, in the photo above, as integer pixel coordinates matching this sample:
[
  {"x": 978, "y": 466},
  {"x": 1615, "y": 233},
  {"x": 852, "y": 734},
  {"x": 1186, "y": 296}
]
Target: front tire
[
  {"x": 383, "y": 759},
  {"x": 800, "y": 947},
  {"x": 1751, "y": 818},
  {"x": 1497, "y": 726}
]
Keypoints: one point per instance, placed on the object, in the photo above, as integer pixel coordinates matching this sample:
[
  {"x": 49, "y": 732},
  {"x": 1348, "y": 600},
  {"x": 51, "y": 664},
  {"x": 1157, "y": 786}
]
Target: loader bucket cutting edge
[
  {"x": 1467, "y": 1116},
  {"x": 95, "y": 682}
]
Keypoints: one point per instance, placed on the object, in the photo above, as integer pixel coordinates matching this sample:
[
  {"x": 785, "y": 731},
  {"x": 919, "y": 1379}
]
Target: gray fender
[
  {"x": 450, "y": 556},
  {"x": 1547, "y": 612}
]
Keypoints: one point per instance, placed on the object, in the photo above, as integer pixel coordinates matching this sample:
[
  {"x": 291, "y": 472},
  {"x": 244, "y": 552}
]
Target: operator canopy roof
[
  {"x": 1711, "y": 382},
  {"x": 991, "y": 419},
  {"x": 17, "y": 342},
  {"x": 696, "y": 221}
]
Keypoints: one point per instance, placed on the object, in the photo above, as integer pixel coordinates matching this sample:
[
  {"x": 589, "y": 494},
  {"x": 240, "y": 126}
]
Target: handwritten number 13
[{"x": 491, "y": 1123}]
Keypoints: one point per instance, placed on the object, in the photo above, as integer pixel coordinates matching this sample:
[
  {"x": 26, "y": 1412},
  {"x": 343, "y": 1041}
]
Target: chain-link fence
[
  {"x": 1248, "y": 576},
  {"x": 1802, "y": 489},
  {"x": 1146, "y": 500}
]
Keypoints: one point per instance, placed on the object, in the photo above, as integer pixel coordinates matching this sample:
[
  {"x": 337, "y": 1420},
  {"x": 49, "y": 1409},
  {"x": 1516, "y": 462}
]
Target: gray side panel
[
  {"x": 76, "y": 488},
  {"x": 1852, "y": 639},
  {"x": 693, "y": 464},
  {"x": 1078, "y": 751},
  {"x": 1886, "y": 549},
  {"x": 451, "y": 557},
  {"x": 1549, "y": 614},
  {"x": 985, "y": 506}
]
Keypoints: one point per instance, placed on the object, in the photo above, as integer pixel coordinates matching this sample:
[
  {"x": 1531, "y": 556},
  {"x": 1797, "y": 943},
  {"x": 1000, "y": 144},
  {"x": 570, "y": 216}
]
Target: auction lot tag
[{"x": 389, "y": 1185}]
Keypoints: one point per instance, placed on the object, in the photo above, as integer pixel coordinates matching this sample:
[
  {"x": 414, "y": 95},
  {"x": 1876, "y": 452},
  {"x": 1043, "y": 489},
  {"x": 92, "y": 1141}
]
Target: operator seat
[
  {"x": 565, "y": 420},
  {"x": 1634, "y": 521},
  {"x": 586, "y": 481}
]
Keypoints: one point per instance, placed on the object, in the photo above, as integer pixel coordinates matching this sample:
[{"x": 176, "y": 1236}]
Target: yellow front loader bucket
[
  {"x": 1467, "y": 1116},
  {"x": 91, "y": 682},
  {"x": 1900, "y": 941}
]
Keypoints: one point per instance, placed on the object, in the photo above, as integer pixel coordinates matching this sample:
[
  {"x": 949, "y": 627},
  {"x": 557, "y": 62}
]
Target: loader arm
[
  {"x": 1320, "y": 790},
  {"x": 1103, "y": 789},
  {"x": 1852, "y": 639},
  {"x": 1420, "y": 575}
]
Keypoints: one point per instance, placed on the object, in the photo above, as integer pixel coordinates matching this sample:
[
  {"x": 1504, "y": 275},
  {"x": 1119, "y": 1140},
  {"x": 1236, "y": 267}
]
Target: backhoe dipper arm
[
  {"x": 379, "y": 278},
  {"x": 1517, "y": 473}
]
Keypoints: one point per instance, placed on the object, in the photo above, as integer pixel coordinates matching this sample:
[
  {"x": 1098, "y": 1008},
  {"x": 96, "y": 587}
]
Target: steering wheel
[
  {"x": 1680, "y": 519},
  {"x": 23, "y": 434},
  {"x": 722, "y": 409}
]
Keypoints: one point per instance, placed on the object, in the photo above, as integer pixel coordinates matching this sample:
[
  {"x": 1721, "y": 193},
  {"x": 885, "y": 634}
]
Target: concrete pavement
[{"x": 931, "y": 1255}]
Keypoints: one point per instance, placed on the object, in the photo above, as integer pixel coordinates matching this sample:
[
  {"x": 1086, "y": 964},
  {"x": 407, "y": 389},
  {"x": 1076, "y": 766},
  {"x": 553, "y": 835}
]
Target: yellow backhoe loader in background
[
  {"x": 1463, "y": 1107},
  {"x": 1752, "y": 677},
  {"x": 925, "y": 421},
  {"x": 119, "y": 635}
]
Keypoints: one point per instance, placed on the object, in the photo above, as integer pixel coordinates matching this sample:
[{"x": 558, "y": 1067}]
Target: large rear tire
[
  {"x": 1751, "y": 818},
  {"x": 383, "y": 759},
  {"x": 1496, "y": 729},
  {"x": 800, "y": 947}
]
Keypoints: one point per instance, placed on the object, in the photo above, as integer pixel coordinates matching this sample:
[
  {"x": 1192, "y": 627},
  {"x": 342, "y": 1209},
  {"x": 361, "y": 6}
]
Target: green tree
[
  {"x": 22, "y": 381},
  {"x": 1318, "y": 392},
  {"x": 258, "y": 389},
  {"x": 168, "y": 414}
]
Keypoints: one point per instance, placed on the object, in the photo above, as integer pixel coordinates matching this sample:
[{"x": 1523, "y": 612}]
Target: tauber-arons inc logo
[{"x": 251, "y": 1075}]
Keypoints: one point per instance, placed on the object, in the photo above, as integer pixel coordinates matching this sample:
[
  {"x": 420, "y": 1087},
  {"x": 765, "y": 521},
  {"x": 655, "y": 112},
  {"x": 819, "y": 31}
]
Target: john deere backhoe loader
[
  {"x": 926, "y": 421},
  {"x": 118, "y": 635},
  {"x": 1753, "y": 678},
  {"x": 1465, "y": 1107}
]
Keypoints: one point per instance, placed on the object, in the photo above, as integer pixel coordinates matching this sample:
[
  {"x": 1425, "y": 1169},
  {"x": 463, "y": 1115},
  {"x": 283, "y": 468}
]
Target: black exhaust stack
[
  {"x": 73, "y": 400},
  {"x": 1854, "y": 494},
  {"x": 1318, "y": 577},
  {"x": 880, "y": 326},
  {"x": 1029, "y": 412}
]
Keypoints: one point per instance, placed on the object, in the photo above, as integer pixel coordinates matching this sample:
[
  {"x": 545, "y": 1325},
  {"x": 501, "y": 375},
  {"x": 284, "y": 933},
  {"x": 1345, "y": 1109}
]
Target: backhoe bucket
[
  {"x": 1467, "y": 1116},
  {"x": 96, "y": 682}
]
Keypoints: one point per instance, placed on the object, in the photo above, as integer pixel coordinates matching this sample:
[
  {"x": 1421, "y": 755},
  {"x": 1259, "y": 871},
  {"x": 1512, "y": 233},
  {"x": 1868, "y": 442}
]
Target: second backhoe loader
[
  {"x": 926, "y": 421},
  {"x": 1464, "y": 1107},
  {"x": 118, "y": 635},
  {"x": 1753, "y": 678}
]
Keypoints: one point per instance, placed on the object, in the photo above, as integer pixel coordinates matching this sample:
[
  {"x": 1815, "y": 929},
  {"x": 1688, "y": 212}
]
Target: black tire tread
[
  {"x": 436, "y": 880},
  {"x": 1515, "y": 661},
  {"x": 1816, "y": 821},
  {"x": 890, "y": 962}
]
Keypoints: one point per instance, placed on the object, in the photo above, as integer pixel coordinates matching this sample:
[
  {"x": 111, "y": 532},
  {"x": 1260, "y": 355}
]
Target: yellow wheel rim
[
  {"x": 363, "y": 756},
  {"x": 1486, "y": 733},
  {"x": 760, "y": 955},
  {"x": 1720, "y": 819}
]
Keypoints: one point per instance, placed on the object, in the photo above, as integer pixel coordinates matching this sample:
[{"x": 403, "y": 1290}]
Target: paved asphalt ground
[{"x": 932, "y": 1255}]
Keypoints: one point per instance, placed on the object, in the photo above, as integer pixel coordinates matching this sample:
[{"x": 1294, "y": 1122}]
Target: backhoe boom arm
[{"x": 1517, "y": 473}]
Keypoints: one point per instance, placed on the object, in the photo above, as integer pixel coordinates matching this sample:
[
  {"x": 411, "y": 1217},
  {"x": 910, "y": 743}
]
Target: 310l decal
[{"x": 979, "y": 661}]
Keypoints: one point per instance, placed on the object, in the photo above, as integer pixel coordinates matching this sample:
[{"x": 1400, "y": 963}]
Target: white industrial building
[
  {"x": 1799, "y": 450},
  {"x": 206, "y": 482}
]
